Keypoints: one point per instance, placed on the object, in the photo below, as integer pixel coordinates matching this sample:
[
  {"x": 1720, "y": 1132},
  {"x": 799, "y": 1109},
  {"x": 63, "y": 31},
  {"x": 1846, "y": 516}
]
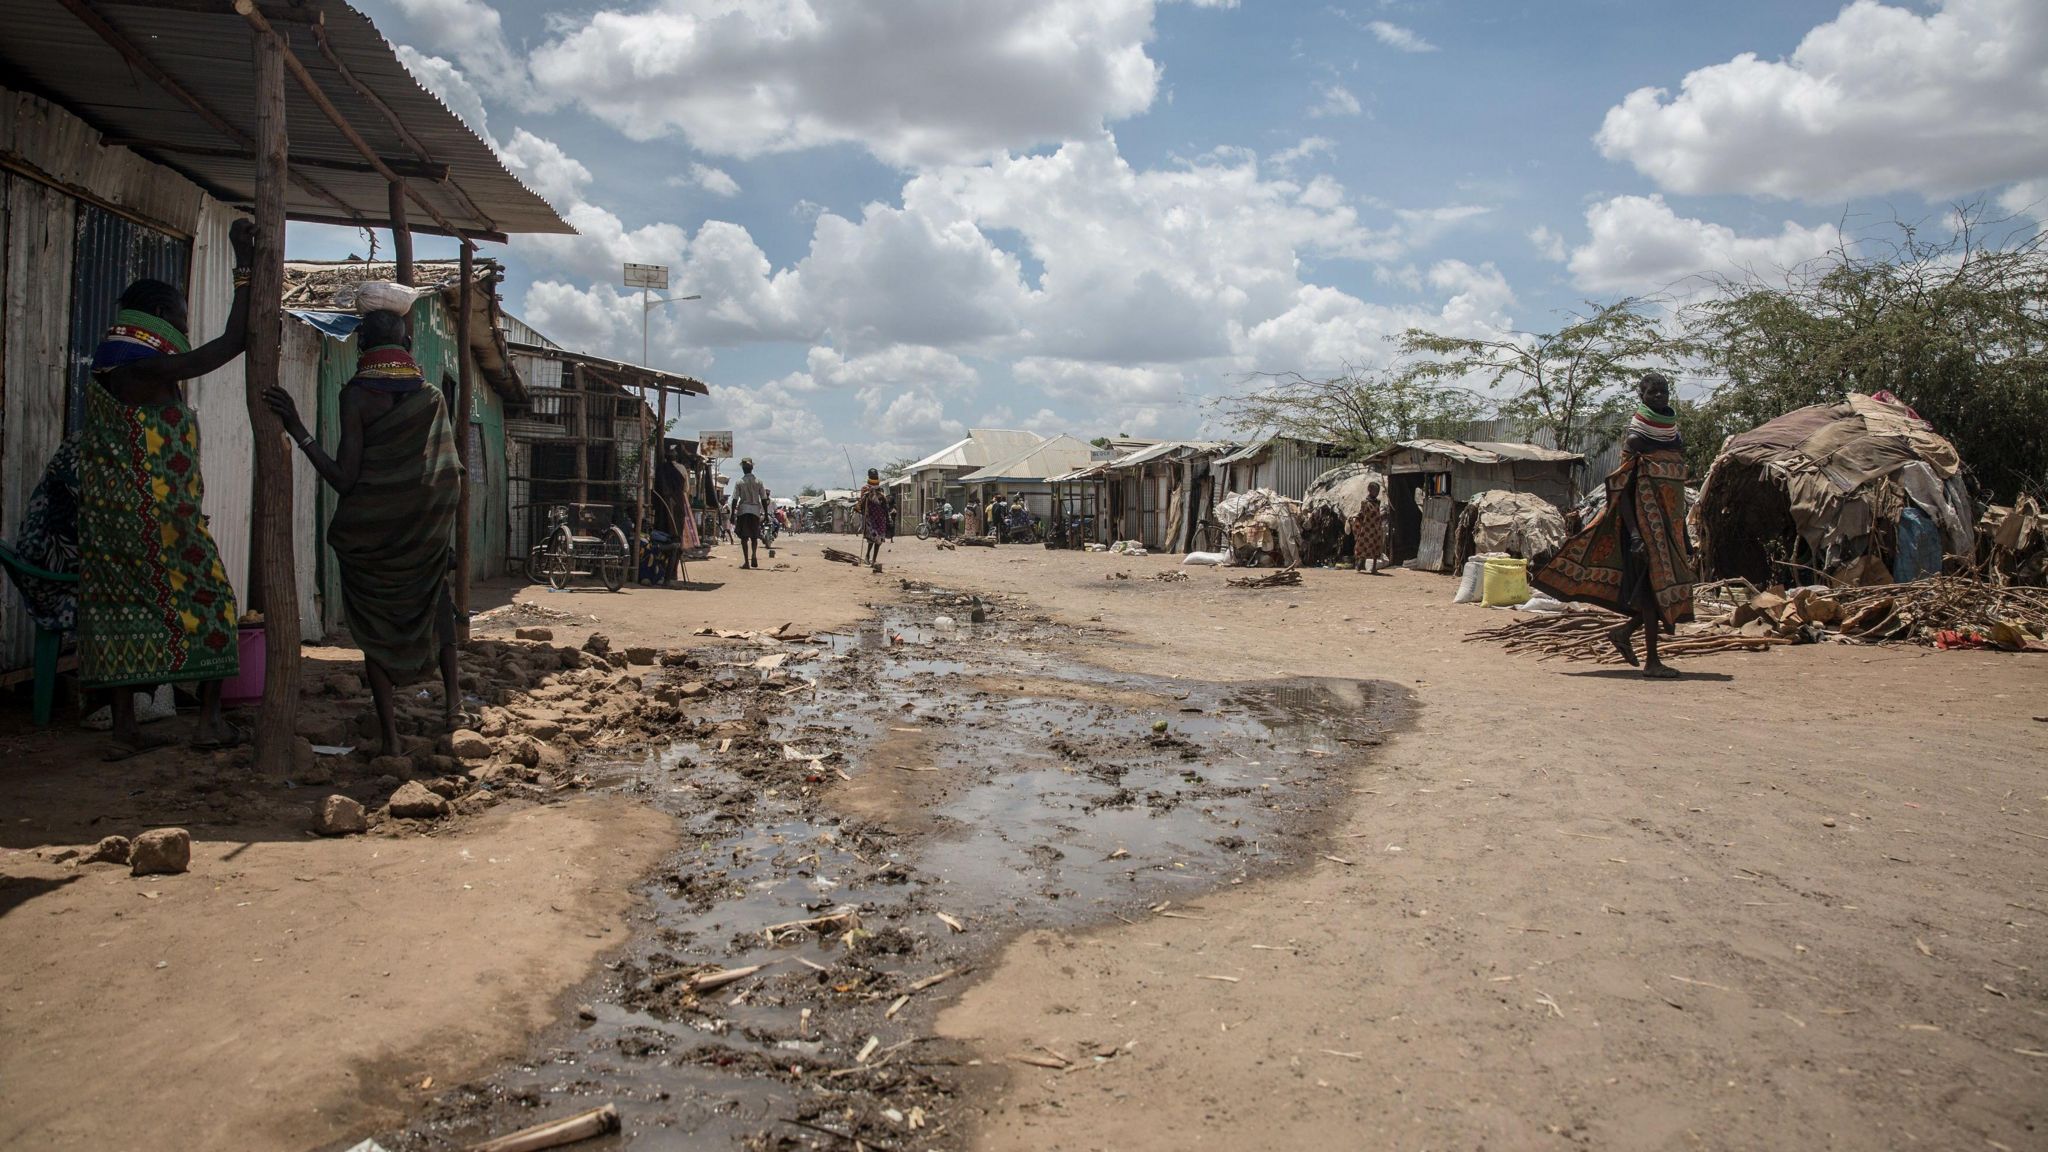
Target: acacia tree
[
  {"x": 1358, "y": 410},
  {"x": 1954, "y": 323},
  {"x": 1574, "y": 381}
]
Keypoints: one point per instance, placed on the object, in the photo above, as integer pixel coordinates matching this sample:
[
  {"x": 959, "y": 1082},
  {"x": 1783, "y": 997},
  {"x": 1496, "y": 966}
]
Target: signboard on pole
[
  {"x": 647, "y": 276},
  {"x": 714, "y": 445}
]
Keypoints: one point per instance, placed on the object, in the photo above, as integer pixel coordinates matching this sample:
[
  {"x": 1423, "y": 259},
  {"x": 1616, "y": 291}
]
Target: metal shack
[
  {"x": 128, "y": 145},
  {"x": 1429, "y": 482}
]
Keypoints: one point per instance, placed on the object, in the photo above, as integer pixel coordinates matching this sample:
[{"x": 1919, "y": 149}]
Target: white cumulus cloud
[
  {"x": 1882, "y": 98},
  {"x": 1337, "y": 100},
  {"x": 1638, "y": 244},
  {"x": 913, "y": 81},
  {"x": 1397, "y": 37}
]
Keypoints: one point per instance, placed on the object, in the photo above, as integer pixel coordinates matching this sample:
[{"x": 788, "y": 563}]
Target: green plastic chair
[{"x": 49, "y": 644}]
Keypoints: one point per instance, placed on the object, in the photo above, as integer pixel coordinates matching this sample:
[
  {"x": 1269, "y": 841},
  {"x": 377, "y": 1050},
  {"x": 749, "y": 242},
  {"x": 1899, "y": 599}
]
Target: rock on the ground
[
  {"x": 160, "y": 851},
  {"x": 640, "y": 655},
  {"x": 468, "y": 745},
  {"x": 392, "y": 765},
  {"x": 345, "y": 684},
  {"x": 413, "y": 801},
  {"x": 338, "y": 815},
  {"x": 110, "y": 850},
  {"x": 678, "y": 658},
  {"x": 599, "y": 644},
  {"x": 535, "y": 633}
]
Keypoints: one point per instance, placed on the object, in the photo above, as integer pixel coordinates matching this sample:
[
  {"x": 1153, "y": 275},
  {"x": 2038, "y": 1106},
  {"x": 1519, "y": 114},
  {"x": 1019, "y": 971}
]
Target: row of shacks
[
  {"x": 1863, "y": 489},
  {"x": 1164, "y": 494},
  {"x": 132, "y": 136}
]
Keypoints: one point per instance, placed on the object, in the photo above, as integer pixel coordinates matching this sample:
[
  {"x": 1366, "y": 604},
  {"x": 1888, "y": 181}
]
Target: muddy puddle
[{"x": 867, "y": 817}]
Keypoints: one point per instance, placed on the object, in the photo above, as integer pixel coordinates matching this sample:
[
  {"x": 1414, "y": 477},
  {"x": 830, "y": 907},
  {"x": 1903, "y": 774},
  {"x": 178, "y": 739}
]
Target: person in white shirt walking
[{"x": 749, "y": 504}]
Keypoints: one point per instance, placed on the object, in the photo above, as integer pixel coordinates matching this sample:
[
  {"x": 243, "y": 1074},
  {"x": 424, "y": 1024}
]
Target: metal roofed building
[
  {"x": 174, "y": 84},
  {"x": 1429, "y": 482},
  {"x": 1027, "y": 475},
  {"x": 935, "y": 480},
  {"x": 128, "y": 146}
]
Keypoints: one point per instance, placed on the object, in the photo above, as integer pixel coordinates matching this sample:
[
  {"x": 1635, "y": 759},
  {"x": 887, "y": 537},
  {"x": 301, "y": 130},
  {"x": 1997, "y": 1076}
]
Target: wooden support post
[
  {"x": 646, "y": 474},
  {"x": 401, "y": 238},
  {"x": 582, "y": 437},
  {"x": 277, "y": 723},
  {"x": 465, "y": 397}
]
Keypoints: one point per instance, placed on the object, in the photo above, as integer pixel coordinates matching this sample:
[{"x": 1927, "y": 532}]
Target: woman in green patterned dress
[{"x": 154, "y": 604}]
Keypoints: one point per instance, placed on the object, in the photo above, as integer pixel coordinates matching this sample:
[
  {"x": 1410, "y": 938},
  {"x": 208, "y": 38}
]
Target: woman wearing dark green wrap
[{"x": 399, "y": 482}]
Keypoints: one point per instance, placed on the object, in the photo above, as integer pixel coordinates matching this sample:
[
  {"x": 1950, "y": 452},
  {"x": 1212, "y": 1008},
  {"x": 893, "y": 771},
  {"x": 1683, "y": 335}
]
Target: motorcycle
[
  {"x": 939, "y": 525},
  {"x": 1021, "y": 527}
]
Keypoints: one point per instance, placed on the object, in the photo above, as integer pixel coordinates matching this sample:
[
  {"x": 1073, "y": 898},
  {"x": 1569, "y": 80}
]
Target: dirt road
[{"x": 1796, "y": 892}]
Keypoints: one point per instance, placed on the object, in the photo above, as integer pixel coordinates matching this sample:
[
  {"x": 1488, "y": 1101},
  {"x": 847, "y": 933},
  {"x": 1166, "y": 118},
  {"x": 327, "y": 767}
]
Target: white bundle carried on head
[{"x": 384, "y": 296}]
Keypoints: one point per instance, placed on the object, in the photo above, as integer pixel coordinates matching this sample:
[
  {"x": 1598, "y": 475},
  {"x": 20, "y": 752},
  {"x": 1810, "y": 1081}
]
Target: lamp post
[{"x": 647, "y": 278}]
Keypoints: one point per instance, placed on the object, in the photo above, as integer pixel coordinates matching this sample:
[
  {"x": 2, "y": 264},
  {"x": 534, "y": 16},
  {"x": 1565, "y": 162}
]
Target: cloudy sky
[{"x": 912, "y": 217}]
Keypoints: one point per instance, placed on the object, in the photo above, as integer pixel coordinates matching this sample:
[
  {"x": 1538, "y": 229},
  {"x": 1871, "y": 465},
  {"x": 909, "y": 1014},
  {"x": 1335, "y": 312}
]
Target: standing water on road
[{"x": 867, "y": 817}]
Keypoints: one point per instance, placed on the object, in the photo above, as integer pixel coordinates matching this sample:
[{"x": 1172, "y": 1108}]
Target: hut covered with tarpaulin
[
  {"x": 1329, "y": 503},
  {"x": 1430, "y": 481},
  {"x": 1821, "y": 488}
]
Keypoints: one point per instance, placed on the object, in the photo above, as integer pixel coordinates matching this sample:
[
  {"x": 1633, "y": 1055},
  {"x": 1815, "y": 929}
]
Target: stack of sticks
[
  {"x": 1285, "y": 578},
  {"x": 1583, "y": 635},
  {"x": 843, "y": 557}
]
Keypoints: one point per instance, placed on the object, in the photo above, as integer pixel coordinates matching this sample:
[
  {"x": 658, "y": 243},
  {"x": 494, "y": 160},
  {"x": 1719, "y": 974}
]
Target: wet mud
[{"x": 870, "y": 815}]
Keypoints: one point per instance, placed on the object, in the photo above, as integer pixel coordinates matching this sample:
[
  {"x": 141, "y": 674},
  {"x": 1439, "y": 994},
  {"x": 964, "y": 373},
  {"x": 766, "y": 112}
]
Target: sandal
[{"x": 235, "y": 738}]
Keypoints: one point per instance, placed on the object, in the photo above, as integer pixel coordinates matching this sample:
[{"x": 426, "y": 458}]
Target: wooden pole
[
  {"x": 646, "y": 474},
  {"x": 401, "y": 240},
  {"x": 277, "y": 723},
  {"x": 582, "y": 426},
  {"x": 464, "y": 397}
]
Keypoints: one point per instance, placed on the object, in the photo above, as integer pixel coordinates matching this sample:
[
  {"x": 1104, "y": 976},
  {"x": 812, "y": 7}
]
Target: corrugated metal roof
[
  {"x": 1479, "y": 452},
  {"x": 209, "y": 52},
  {"x": 980, "y": 448},
  {"x": 1523, "y": 451},
  {"x": 1061, "y": 454},
  {"x": 1170, "y": 448}
]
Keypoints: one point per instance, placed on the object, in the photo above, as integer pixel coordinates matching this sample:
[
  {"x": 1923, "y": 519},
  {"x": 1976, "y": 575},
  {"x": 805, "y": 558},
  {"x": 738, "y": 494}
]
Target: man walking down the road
[
  {"x": 749, "y": 505},
  {"x": 1369, "y": 532},
  {"x": 1002, "y": 518},
  {"x": 873, "y": 505}
]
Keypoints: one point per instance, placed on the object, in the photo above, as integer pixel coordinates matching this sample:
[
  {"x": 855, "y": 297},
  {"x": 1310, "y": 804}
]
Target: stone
[
  {"x": 344, "y": 684},
  {"x": 160, "y": 851},
  {"x": 694, "y": 690},
  {"x": 337, "y": 815},
  {"x": 523, "y": 749},
  {"x": 599, "y": 644},
  {"x": 395, "y": 766},
  {"x": 447, "y": 788},
  {"x": 640, "y": 655},
  {"x": 546, "y": 727},
  {"x": 468, "y": 745},
  {"x": 413, "y": 801},
  {"x": 616, "y": 659},
  {"x": 542, "y": 634},
  {"x": 678, "y": 658},
  {"x": 110, "y": 850},
  {"x": 303, "y": 757}
]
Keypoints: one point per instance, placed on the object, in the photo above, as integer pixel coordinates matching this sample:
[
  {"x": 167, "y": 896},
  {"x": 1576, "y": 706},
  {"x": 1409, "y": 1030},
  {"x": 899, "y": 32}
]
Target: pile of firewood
[
  {"x": 1581, "y": 634},
  {"x": 843, "y": 557},
  {"x": 1285, "y": 578},
  {"x": 1732, "y": 615}
]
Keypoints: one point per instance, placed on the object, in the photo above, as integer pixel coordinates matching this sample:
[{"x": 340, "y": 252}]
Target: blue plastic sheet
[{"x": 1919, "y": 546}]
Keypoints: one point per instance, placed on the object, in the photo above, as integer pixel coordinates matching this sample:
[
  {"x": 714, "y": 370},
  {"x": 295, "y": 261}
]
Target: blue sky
[{"x": 914, "y": 217}]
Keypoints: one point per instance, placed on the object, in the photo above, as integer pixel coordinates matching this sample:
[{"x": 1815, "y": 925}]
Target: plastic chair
[{"x": 49, "y": 644}]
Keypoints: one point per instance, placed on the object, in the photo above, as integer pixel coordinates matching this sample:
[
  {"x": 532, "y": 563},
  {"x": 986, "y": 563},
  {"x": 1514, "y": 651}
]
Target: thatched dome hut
[{"x": 1818, "y": 489}]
